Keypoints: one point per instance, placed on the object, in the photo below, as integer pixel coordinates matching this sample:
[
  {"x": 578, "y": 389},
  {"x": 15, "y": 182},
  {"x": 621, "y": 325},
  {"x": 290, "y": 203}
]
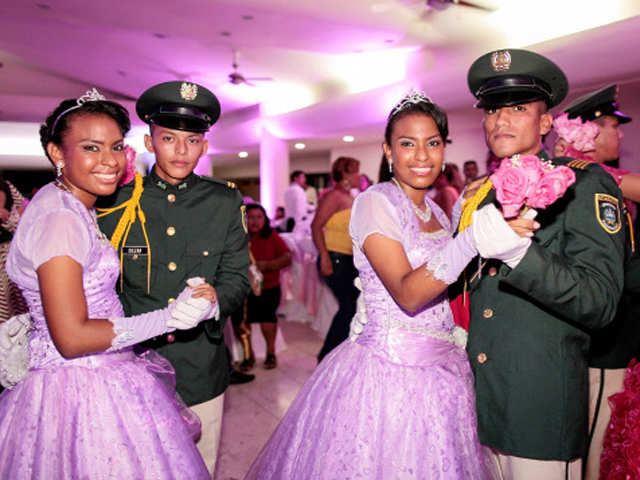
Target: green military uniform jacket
[
  {"x": 616, "y": 344},
  {"x": 529, "y": 327},
  {"x": 195, "y": 228}
]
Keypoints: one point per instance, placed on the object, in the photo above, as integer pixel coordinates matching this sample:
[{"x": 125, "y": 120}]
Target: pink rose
[
  {"x": 532, "y": 167},
  {"x": 551, "y": 186},
  {"x": 511, "y": 184},
  {"x": 129, "y": 168}
]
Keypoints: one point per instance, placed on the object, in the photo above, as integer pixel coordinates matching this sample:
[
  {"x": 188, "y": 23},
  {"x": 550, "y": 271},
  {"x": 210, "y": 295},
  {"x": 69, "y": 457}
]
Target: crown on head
[
  {"x": 89, "y": 96},
  {"x": 414, "y": 96}
]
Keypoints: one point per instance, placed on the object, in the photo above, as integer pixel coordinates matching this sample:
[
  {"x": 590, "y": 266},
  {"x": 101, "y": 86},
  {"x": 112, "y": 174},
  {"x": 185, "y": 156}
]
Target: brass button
[
  {"x": 487, "y": 313},
  {"x": 493, "y": 271},
  {"x": 171, "y": 198},
  {"x": 171, "y": 231},
  {"x": 205, "y": 253},
  {"x": 482, "y": 357},
  {"x": 172, "y": 266},
  {"x": 170, "y": 301},
  {"x": 134, "y": 256}
]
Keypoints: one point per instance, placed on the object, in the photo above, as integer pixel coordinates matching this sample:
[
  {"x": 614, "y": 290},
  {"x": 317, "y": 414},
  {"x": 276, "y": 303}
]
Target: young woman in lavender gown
[
  {"x": 88, "y": 407},
  {"x": 397, "y": 400}
]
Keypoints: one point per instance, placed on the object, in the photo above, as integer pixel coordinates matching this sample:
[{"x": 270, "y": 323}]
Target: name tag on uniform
[{"x": 142, "y": 250}]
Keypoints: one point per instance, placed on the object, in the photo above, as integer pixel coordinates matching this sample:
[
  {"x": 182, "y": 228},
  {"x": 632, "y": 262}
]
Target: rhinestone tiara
[
  {"x": 414, "y": 96},
  {"x": 89, "y": 96}
]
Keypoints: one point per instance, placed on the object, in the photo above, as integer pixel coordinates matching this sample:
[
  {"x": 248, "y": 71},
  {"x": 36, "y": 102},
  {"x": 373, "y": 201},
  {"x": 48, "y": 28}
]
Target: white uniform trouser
[
  {"x": 518, "y": 468},
  {"x": 210, "y": 413},
  {"x": 613, "y": 381}
]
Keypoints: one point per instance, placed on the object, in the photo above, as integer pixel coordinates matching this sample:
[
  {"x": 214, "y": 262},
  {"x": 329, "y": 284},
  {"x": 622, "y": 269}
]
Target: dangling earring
[
  {"x": 390, "y": 162},
  {"x": 443, "y": 168},
  {"x": 58, "y": 170}
]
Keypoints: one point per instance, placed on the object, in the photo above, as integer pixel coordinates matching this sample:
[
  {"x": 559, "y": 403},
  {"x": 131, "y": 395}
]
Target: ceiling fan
[
  {"x": 236, "y": 78},
  {"x": 489, "y": 5}
]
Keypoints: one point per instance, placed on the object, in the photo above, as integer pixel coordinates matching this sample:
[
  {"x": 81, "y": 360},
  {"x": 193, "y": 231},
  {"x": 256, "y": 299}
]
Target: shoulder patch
[
  {"x": 243, "y": 212},
  {"x": 608, "y": 212}
]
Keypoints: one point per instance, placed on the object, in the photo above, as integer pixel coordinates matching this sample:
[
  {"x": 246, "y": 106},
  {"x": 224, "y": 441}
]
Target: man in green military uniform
[
  {"x": 174, "y": 225},
  {"x": 612, "y": 347},
  {"x": 530, "y": 313}
]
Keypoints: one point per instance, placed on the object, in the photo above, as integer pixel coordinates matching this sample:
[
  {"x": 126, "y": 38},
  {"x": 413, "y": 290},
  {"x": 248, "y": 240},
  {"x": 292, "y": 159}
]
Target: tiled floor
[{"x": 252, "y": 410}]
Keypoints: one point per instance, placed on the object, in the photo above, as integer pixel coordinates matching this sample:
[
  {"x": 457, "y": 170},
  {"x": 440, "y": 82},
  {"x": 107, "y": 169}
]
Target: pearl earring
[
  {"x": 58, "y": 170},
  {"x": 443, "y": 168},
  {"x": 390, "y": 162}
]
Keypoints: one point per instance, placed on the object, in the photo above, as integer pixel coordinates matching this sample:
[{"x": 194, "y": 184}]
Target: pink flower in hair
[
  {"x": 580, "y": 134},
  {"x": 130, "y": 167}
]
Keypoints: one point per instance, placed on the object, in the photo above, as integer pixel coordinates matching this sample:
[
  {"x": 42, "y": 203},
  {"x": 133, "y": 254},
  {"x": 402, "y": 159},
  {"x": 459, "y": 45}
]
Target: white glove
[
  {"x": 187, "y": 312},
  {"x": 360, "y": 319},
  {"x": 496, "y": 239}
]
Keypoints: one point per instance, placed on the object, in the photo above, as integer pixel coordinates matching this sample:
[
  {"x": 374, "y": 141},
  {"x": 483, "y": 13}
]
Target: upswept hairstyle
[
  {"x": 425, "y": 107},
  {"x": 55, "y": 126},
  {"x": 342, "y": 165}
]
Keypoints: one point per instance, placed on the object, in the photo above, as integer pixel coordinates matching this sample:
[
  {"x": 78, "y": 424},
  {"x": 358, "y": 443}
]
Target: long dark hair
[
  {"x": 266, "y": 229},
  {"x": 57, "y": 123}
]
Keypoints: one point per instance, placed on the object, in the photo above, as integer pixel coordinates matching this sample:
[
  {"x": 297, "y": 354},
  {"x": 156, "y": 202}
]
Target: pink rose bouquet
[
  {"x": 130, "y": 167},
  {"x": 527, "y": 181}
]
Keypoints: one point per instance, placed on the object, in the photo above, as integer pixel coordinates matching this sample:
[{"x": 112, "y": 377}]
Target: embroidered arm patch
[{"x": 608, "y": 212}]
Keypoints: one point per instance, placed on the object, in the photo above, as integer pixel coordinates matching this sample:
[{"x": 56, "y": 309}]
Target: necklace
[
  {"x": 102, "y": 238},
  {"x": 425, "y": 216}
]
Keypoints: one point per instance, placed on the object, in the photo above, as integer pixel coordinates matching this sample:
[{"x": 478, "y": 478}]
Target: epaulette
[
  {"x": 217, "y": 181},
  {"x": 579, "y": 163}
]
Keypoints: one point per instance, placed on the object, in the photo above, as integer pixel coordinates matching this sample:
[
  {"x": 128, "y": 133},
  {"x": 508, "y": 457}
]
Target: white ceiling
[{"x": 337, "y": 65}]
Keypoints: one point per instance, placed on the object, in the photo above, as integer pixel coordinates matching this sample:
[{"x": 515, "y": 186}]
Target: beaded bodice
[
  {"x": 388, "y": 325},
  {"x": 99, "y": 273}
]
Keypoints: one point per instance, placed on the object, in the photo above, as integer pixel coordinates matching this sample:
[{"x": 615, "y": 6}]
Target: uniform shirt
[
  {"x": 295, "y": 203},
  {"x": 529, "y": 328},
  {"x": 195, "y": 228}
]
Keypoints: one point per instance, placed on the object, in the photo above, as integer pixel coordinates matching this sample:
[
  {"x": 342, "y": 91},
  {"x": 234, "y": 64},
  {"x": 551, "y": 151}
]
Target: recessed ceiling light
[
  {"x": 348, "y": 138},
  {"x": 300, "y": 146},
  {"x": 243, "y": 154},
  {"x": 247, "y": 17},
  {"x": 161, "y": 36}
]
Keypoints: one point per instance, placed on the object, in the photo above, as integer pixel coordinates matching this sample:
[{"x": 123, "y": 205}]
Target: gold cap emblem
[
  {"x": 501, "y": 60},
  {"x": 188, "y": 91}
]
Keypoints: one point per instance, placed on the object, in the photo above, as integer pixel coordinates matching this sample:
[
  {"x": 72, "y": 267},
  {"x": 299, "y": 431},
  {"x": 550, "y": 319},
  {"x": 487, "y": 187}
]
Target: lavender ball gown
[
  {"x": 398, "y": 401},
  {"x": 99, "y": 416}
]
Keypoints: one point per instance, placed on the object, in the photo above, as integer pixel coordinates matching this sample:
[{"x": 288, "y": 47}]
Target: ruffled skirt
[
  {"x": 106, "y": 416},
  {"x": 361, "y": 415},
  {"x": 620, "y": 457}
]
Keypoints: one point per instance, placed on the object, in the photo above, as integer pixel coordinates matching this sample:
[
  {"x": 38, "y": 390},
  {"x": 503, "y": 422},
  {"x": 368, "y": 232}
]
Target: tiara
[
  {"x": 89, "y": 96},
  {"x": 411, "y": 98}
]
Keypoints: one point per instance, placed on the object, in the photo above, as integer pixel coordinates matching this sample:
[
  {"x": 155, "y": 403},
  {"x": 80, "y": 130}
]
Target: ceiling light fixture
[
  {"x": 243, "y": 154},
  {"x": 348, "y": 138},
  {"x": 300, "y": 146}
]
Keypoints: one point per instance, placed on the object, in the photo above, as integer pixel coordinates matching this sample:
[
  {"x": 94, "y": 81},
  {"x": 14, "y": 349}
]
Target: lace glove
[
  {"x": 14, "y": 352},
  {"x": 184, "y": 313},
  {"x": 496, "y": 239},
  {"x": 449, "y": 262}
]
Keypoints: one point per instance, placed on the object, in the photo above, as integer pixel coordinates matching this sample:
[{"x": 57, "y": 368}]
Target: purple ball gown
[
  {"x": 397, "y": 402},
  {"x": 99, "y": 416}
]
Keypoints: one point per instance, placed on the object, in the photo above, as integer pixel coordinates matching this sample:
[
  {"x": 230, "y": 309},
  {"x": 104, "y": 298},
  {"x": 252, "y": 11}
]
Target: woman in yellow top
[{"x": 330, "y": 231}]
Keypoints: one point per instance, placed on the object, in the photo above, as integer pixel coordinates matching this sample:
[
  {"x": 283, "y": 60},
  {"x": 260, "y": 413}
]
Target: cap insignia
[
  {"x": 188, "y": 91},
  {"x": 597, "y": 113},
  {"x": 501, "y": 60}
]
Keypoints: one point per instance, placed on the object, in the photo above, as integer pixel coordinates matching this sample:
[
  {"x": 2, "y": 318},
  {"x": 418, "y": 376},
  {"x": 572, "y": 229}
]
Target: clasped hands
[
  {"x": 497, "y": 238},
  {"x": 197, "y": 302}
]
